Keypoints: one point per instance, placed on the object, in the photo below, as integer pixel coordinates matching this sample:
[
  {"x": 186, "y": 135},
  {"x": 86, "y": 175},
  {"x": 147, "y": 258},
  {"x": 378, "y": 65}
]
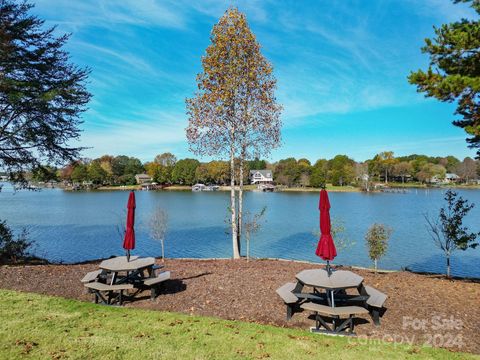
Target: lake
[{"x": 79, "y": 226}]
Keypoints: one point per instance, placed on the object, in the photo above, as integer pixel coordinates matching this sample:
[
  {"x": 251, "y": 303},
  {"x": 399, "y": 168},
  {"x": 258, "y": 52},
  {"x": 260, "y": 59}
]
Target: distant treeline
[{"x": 341, "y": 170}]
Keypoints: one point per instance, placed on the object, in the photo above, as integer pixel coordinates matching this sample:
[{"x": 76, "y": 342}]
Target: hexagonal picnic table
[
  {"x": 134, "y": 268},
  {"x": 337, "y": 280}
]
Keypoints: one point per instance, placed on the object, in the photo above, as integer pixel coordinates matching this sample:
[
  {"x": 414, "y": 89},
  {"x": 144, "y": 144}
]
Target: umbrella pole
[
  {"x": 328, "y": 268},
  {"x": 128, "y": 255}
]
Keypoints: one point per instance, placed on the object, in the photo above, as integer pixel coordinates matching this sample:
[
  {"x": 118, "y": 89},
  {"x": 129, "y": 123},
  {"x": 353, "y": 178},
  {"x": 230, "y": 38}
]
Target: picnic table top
[
  {"x": 339, "y": 279},
  {"x": 120, "y": 263}
]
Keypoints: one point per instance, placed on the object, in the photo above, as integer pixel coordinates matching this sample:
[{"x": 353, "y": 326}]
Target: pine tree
[
  {"x": 454, "y": 71},
  {"x": 42, "y": 93}
]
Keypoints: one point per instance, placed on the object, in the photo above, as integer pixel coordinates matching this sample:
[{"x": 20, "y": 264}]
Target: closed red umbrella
[
  {"x": 129, "y": 239},
  {"x": 326, "y": 247}
]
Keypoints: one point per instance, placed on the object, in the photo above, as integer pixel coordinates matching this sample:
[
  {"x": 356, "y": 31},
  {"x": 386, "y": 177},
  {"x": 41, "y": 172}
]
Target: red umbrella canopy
[
  {"x": 129, "y": 239},
  {"x": 326, "y": 247}
]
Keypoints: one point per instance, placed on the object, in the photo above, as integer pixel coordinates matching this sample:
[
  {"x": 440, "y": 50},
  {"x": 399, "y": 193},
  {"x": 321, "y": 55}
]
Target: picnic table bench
[
  {"x": 376, "y": 300},
  {"x": 114, "y": 292},
  {"x": 154, "y": 282},
  {"x": 336, "y": 313},
  {"x": 91, "y": 276}
]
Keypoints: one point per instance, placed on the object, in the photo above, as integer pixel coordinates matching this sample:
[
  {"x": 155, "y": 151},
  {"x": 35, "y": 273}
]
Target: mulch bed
[{"x": 442, "y": 312}]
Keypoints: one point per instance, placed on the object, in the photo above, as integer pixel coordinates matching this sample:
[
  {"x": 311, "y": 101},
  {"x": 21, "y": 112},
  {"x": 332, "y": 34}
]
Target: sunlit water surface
[{"x": 79, "y": 226}]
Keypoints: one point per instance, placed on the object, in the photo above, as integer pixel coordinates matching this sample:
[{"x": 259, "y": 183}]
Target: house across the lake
[
  {"x": 261, "y": 177},
  {"x": 451, "y": 178},
  {"x": 143, "y": 178}
]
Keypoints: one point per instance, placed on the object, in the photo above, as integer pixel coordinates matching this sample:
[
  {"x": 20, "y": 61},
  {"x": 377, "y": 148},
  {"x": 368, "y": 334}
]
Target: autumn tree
[
  {"x": 402, "y": 169},
  {"x": 454, "y": 71},
  {"x": 165, "y": 163},
  {"x": 234, "y": 111},
  {"x": 42, "y": 94},
  {"x": 383, "y": 163},
  {"x": 165, "y": 159},
  {"x": 430, "y": 172},
  {"x": 467, "y": 169}
]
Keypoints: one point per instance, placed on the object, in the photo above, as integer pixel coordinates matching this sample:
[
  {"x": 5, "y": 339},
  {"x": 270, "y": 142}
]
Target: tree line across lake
[{"x": 340, "y": 171}]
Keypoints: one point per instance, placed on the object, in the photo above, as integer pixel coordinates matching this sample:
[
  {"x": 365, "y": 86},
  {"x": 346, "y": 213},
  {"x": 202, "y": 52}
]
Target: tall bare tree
[{"x": 234, "y": 112}]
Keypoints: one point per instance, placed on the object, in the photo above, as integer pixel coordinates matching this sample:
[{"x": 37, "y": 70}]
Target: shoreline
[{"x": 344, "y": 189}]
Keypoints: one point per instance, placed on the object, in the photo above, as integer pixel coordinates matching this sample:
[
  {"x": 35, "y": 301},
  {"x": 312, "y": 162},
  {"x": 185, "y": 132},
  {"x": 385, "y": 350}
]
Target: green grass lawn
[{"x": 42, "y": 327}]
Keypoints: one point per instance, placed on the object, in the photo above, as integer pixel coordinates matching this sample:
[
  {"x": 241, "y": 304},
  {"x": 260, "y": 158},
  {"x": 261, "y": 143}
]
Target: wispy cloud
[
  {"x": 330, "y": 58},
  {"x": 111, "y": 13},
  {"x": 150, "y": 130}
]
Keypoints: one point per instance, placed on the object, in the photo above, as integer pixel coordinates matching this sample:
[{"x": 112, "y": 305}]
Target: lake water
[{"x": 79, "y": 226}]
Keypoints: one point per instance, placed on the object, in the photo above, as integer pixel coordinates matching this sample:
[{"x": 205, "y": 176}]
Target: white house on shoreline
[
  {"x": 449, "y": 178},
  {"x": 261, "y": 177}
]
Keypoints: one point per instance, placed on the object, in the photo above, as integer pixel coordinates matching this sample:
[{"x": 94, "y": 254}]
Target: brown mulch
[{"x": 442, "y": 312}]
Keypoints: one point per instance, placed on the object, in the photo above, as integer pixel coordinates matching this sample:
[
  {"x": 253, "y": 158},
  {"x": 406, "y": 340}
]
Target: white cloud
[
  {"x": 110, "y": 13},
  {"x": 138, "y": 135}
]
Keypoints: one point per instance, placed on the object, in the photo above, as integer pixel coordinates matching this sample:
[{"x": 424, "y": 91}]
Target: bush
[
  {"x": 13, "y": 249},
  {"x": 377, "y": 239}
]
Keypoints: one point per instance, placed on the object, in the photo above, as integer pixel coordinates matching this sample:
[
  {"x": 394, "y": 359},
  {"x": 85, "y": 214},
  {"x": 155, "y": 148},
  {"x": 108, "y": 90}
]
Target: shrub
[
  {"x": 13, "y": 249},
  {"x": 377, "y": 240}
]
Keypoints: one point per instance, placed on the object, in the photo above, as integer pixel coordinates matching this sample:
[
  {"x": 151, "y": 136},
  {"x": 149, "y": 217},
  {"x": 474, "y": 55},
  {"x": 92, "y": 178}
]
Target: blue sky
[{"x": 341, "y": 68}]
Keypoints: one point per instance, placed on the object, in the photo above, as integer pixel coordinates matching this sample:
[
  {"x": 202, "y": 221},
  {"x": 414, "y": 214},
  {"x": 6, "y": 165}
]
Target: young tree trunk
[
  {"x": 163, "y": 250},
  {"x": 386, "y": 176},
  {"x": 375, "y": 265},
  {"x": 240, "y": 205},
  {"x": 247, "y": 237},
  {"x": 236, "y": 250},
  {"x": 448, "y": 265}
]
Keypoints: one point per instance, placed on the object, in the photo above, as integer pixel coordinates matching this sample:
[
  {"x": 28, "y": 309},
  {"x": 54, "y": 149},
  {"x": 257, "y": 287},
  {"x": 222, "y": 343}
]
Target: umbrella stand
[{"x": 329, "y": 268}]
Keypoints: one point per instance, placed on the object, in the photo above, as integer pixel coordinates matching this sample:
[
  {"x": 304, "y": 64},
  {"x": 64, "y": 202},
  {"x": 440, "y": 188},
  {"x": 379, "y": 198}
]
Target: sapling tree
[
  {"x": 158, "y": 225},
  {"x": 251, "y": 224},
  {"x": 448, "y": 231},
  {"x": 377, "y": 238}
]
